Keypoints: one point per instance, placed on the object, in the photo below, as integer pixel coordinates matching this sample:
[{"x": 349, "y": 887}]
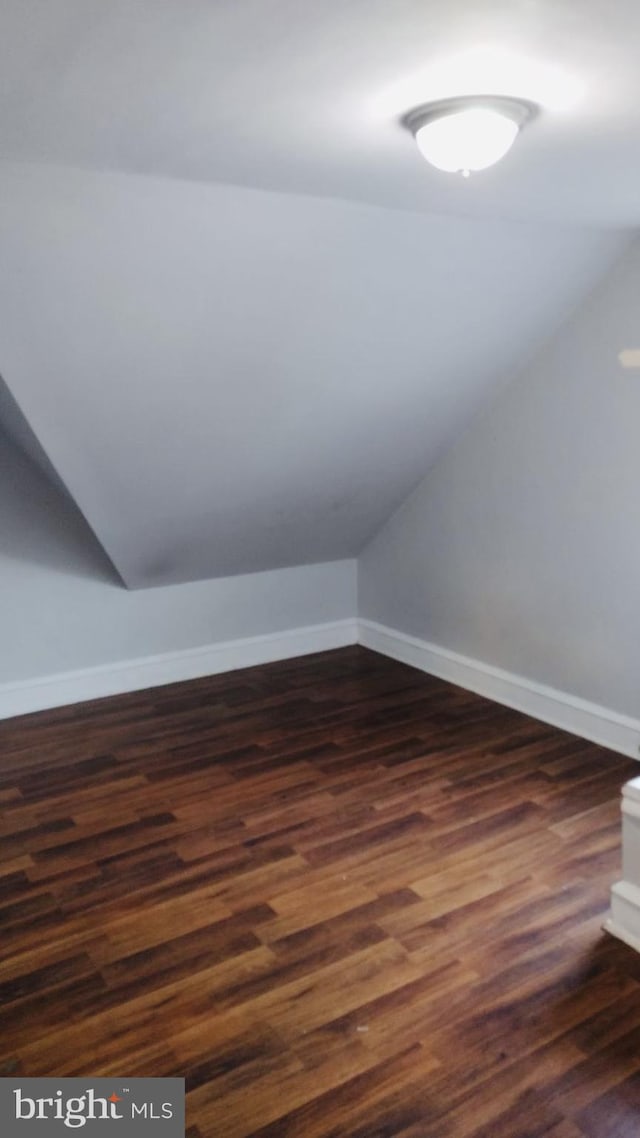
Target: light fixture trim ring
[{"x": 520, "y": 111}]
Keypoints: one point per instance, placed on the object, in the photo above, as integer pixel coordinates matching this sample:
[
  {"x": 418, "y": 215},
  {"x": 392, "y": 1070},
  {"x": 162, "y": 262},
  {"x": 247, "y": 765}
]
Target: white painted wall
[
  {"x": 62, "y": 609},
  {"x": 521, "y": 547}
]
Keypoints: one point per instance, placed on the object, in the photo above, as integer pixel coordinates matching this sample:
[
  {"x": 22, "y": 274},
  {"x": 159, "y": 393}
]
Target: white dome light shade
[
  {"x": 466, "y": 140},
  {"x": 461, "y": 135}
]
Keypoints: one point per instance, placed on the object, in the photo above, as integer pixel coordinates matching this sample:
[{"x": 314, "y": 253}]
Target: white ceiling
[
  {"x": 305, "y": 95},
  {"x": 230, "y": 368}
]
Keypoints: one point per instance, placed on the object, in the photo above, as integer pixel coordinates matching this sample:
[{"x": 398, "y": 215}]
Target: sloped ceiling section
[
  {"x": 229, "y": 380},
  {"x": 40, "y": 528},
  {"x": 24, "y": 461},
  {"x": 16, "y": 428}
]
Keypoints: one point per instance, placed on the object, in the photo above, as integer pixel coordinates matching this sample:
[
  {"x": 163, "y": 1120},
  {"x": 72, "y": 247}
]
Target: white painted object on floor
[{"x": 624, "y": 921}]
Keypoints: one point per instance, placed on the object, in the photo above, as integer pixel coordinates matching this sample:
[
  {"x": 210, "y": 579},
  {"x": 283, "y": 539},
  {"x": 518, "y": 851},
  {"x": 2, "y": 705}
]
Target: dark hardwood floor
[{"x": 341, "y": 898}]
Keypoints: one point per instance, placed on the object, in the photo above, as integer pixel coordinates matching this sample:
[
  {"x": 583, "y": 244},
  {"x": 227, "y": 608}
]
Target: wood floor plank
[{"x": 341, "y": 898}]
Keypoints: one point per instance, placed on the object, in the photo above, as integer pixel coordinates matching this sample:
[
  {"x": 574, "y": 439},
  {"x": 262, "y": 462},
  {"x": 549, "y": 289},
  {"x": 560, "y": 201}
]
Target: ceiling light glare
[
  {"x": 486, "y": 69},
  {"x": 465, "y": 134},
  {"x": 629, "y": 358}
]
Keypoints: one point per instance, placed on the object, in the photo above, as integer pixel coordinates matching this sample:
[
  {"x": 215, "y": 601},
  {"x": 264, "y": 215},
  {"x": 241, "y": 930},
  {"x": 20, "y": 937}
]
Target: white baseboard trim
[
  {"x": 588, "y": 720},
  {"x": 578, "y": 716},
  {"x": 624, "y": 922},
  {"x": 171, "y": 667}
]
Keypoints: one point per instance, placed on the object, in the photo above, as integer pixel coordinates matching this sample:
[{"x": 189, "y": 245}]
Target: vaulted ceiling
[{"x": 238, "y": 313}]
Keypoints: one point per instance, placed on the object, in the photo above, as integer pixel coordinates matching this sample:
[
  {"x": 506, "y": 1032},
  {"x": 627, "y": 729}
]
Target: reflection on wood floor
[{"x": 339, "y": 897}]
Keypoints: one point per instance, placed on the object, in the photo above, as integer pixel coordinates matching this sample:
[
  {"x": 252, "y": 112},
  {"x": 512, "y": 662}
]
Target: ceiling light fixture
[{"x": 468, "y": 132}]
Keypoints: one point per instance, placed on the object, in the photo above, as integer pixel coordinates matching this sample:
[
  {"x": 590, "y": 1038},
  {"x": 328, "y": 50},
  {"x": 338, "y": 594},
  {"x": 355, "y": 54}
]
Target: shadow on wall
[{"x": 39, "y": 522}]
